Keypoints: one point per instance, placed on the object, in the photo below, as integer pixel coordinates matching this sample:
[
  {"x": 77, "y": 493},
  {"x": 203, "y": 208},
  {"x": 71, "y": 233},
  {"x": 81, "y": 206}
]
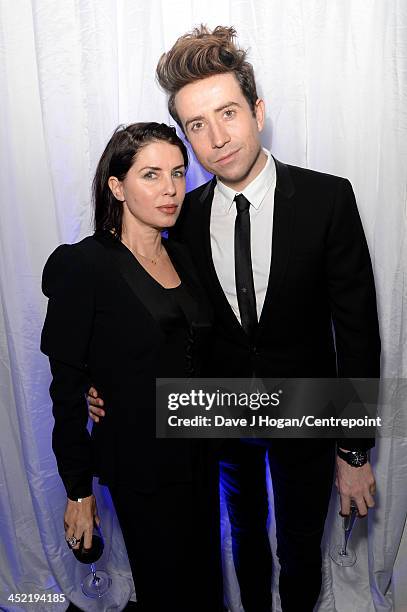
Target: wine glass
[
  {"x": 340, "y": 553},
  {"x": 94, "y": 584}
]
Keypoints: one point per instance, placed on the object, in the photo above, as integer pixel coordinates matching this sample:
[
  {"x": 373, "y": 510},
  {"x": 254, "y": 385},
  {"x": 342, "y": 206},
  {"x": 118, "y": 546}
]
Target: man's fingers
[
  {"x": 94, "y": 402},
  {"x": 96, "y": 412},
  {"x": 93, "y": 399},
  {"x": 345, "y": 505},
  {"x": 92, "y": 391},
  {"x": 361, "y": 506},
  {"x": 355, "y": 483},
  {"x": 369, "y": 500},
  {"x": 372, "y": 489},
  {"x": 95, "y": 405}
]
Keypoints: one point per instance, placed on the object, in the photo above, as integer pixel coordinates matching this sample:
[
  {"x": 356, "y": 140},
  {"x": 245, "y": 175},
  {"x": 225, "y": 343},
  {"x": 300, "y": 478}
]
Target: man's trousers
[{"x": 302, "y": 475}]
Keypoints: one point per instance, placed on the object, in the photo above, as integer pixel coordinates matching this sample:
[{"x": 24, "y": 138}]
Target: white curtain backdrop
[{"x": 334, "y": 77}]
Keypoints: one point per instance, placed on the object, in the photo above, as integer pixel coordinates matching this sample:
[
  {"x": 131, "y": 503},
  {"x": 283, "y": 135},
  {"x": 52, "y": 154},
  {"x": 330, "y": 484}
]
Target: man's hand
[
  {"x": 78, "y": 520},
  {"x": 357, "y": 483},
  {"x": 95, "y": 405}
]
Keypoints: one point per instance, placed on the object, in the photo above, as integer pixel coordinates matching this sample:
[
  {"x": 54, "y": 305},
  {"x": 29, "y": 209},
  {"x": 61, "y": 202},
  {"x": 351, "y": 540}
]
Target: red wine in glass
[
  {"x": 95, "y": 584},
  {"x": 90, "y": 555}
]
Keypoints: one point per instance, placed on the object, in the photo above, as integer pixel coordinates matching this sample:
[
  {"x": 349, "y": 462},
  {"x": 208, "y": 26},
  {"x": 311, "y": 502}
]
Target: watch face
[{"x": 357, "y": 458}]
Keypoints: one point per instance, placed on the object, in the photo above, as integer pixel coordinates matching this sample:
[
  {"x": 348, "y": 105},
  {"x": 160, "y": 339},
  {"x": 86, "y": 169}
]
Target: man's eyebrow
[
  {"x": 217, "y": 110},
  {"x": 221, "y": 108},
  {"x": 158, "y": 168}
]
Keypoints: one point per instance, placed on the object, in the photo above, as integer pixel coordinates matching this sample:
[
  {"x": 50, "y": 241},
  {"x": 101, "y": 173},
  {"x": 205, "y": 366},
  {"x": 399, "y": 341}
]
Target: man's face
[{"x": 222, "y": 129}]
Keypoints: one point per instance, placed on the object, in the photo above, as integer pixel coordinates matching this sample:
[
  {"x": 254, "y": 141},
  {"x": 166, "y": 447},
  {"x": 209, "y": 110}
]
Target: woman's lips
[{"x": 168, "y": 209}]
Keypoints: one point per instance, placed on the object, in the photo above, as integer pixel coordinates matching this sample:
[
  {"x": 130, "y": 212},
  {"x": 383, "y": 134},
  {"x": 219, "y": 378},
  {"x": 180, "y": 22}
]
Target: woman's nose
[{"x": 170, "y": 187}]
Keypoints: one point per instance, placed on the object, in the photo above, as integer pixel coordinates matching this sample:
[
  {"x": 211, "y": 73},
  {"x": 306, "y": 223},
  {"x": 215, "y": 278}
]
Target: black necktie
[{"x": 246, "y": 297}]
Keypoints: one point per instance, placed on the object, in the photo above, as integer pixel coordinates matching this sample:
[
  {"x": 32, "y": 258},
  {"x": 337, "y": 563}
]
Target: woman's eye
[
  {"x": 150, "y": 175},
  {"x": 178, "y": 173}
]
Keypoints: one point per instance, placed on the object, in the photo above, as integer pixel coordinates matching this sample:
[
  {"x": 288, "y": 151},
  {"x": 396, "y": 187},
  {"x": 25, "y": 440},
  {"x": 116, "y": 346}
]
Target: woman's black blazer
[{"x": 98, "y": 331}]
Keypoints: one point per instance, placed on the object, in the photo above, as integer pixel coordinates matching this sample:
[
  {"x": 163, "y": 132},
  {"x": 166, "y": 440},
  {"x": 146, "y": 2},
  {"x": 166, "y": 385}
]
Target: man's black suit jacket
[{"x": 319, "y": 317}]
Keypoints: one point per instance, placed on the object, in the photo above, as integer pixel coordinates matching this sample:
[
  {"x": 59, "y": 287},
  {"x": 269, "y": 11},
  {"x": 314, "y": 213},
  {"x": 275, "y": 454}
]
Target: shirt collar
[{"x": 255, "y": 191}]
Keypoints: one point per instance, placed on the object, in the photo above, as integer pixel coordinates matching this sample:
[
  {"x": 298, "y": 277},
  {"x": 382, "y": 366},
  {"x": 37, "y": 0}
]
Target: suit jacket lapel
[
  {"x": 212, "y": 283},
  {"x": 281, "y": 242}
]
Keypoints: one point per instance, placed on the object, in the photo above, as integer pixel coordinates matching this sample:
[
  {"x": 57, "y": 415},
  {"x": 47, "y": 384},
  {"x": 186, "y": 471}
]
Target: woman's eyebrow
[{"x": 158, "y": 167}]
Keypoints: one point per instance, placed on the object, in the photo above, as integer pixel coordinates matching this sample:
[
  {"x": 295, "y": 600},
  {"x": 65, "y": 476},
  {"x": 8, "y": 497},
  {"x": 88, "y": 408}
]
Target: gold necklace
[{"x": 153, "y": 261}]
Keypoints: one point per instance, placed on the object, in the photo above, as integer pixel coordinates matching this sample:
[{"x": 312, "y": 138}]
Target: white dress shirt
[{"x": 260, "y": 193}]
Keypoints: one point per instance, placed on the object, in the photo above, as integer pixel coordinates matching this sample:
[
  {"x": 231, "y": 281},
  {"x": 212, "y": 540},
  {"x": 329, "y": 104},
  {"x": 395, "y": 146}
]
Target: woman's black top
[{"x": 110, "y": 324}]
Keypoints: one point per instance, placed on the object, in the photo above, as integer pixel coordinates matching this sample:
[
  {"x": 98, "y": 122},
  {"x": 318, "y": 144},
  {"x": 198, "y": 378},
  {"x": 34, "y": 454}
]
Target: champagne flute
[{"x": 340, "y": 553}]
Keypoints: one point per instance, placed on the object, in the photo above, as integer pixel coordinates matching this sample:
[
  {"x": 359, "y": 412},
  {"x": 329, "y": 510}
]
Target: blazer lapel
[
  {"x": 126, "y": 264},
  {"x": 282, "y": 232}
]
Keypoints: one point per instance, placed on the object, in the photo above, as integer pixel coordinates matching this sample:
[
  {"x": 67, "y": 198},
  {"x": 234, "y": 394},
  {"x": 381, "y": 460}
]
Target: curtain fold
[{"x": 333, "y": 74}]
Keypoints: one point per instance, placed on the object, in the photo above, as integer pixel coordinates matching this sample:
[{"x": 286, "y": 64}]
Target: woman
[{"x": 124, "y": 308}]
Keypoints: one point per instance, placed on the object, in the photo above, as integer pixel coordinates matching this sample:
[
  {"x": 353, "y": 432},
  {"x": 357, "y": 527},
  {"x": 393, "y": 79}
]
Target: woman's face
[{"x": 154, "y": 187}]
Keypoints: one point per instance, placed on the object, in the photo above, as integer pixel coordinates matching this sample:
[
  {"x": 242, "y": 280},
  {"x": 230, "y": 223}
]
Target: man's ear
[
  {"x": 260, "y": 113},
  {"x": 116, "y": 187}
]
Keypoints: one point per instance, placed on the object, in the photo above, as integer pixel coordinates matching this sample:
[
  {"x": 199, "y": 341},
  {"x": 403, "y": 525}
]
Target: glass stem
[{"x": 95, "y": 576}]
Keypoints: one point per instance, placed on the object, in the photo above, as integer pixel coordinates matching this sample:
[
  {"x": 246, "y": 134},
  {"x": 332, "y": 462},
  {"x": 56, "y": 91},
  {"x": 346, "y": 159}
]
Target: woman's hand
[{"x": 78, "y": 520}]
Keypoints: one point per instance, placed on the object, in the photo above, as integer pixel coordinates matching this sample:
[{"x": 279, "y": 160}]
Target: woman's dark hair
[{"x": 116, "y": 160}]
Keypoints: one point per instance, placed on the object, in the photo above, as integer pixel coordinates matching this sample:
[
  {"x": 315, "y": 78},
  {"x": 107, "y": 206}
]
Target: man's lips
[{"x": 226, "y": 158}]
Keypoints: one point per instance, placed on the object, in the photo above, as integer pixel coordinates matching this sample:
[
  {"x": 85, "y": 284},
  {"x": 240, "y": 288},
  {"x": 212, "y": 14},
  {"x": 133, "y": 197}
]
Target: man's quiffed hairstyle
[{"x": 200, "y": 54}]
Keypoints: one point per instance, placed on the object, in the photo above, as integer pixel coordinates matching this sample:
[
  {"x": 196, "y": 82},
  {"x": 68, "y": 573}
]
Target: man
[{"x": 282, "y": 254}]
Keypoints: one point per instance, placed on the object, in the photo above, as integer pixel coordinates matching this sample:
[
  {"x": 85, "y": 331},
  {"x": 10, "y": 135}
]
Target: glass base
[
  {"x": 342, "y": 558},
  {"x": 97, "y": 585}
]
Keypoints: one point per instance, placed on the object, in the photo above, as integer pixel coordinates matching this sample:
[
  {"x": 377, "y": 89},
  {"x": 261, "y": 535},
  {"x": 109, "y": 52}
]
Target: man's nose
[{"x": 219, "y": 135}]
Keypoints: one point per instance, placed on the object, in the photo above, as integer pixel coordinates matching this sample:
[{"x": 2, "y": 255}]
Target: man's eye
[
  {"x": 229, "y": 113},
  {"x": 197, "y": 126}
]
